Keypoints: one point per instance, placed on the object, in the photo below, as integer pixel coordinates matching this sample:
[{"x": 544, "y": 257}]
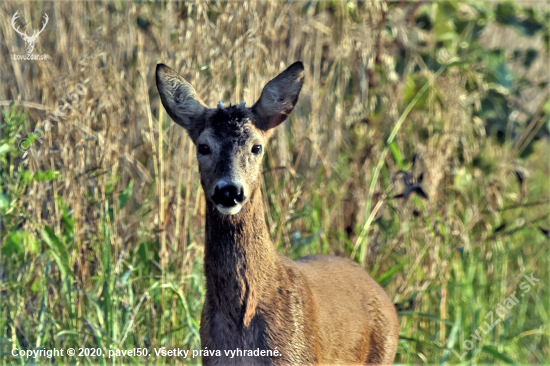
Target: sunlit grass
[{"x": 102, "y": 223}]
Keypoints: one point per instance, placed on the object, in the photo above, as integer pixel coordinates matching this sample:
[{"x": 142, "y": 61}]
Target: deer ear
[
  {"x": 279, "y": 97},
  {"x": 179, "y": 98}
]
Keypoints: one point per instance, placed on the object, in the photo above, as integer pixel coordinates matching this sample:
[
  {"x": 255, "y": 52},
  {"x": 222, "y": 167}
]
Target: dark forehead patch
[{"x": 232, "y": 122}]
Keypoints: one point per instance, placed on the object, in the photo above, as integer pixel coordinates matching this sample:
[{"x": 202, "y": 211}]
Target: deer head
[
  {"x": 230, "y": 140},
  {"x": 29, "y": 40}
]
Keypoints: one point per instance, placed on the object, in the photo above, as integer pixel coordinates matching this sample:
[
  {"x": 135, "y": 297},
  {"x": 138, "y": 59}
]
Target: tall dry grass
[{"x": 129, "y": 182}]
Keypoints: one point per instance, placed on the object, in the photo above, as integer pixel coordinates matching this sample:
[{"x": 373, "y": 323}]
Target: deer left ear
[
  {"x": 180, "y": 99},
  {"x": 279, "y": 97}
]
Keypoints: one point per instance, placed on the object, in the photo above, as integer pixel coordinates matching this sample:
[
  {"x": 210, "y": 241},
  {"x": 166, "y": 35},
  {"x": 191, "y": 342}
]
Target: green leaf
[
  {"x": 420, "y": 341},
  {"x": 413, "y": 86},
  {"x": 501, "y": 74},
  {"x": 19, "y": 241},
  {"x": 427, "y": 316},
  {"x": 35, "y": 287},
  {"x": 68, "y": 221},
  {"x": 389, "y": 273},
  {"x": 497, "y": 354},
  {"x": 397, "y": 155},
  {"x": 509, "y": 13},
  {"x": 57, "y": 249},
  {"x": 127, "y": 193},
  {"x": 26, "y": 177},
  {"x": 46, "y": 175},
  {"x": 13, "y": 244},
  {"x": 506, "y": 13},
  {"x": 444, "y": 27},
  {"x": 142, "y": 252},
  {"x": 4, "y": 148},
  {"x": 4, "y": 202}
]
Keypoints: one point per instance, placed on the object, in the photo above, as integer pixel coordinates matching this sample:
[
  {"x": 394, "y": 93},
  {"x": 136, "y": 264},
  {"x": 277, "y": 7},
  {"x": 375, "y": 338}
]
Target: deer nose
[{"x": 228, "y": 194}]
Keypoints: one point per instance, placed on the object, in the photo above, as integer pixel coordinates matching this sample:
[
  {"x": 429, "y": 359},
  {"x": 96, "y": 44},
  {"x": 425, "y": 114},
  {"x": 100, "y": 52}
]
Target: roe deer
[{"x": 316, "y": 310}]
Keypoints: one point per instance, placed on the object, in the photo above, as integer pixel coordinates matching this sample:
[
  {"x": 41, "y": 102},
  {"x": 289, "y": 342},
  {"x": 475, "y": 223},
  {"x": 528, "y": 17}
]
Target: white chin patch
[{"x": 229, "y": 210}]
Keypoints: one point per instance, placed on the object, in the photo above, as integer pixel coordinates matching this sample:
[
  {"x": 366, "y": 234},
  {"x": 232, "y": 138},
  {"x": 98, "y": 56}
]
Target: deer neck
[{"x": 239, "y": 259}]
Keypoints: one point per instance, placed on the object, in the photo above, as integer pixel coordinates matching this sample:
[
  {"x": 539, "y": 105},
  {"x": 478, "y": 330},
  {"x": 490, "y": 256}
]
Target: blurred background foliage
[{"x": 419, "y": 148}]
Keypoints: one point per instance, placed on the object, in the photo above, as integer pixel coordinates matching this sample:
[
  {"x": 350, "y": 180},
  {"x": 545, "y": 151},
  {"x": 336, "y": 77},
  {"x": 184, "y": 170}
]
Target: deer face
[
  {"x": 230, "y": 141},
  {"x": 229, "y": 152}
]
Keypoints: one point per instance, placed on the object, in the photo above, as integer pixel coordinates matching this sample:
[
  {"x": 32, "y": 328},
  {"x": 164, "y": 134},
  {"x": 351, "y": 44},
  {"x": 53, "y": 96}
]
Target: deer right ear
[
  {"x": 279, "y": 97},
  {"x": 179, "y": 98}
]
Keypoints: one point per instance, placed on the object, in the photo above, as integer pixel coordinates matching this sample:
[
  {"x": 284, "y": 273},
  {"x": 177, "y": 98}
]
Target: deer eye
[
  {"x": 204, "y": 149},
  {"x": 256, "y": 149}
]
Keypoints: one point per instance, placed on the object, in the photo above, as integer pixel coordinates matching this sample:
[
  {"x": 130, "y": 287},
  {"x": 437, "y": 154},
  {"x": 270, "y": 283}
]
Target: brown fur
[{"x": 320, "y": 310}]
